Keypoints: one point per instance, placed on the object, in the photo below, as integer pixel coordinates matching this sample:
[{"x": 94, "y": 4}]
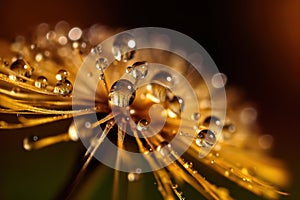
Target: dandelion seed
[{"x": 123, "y": 104}]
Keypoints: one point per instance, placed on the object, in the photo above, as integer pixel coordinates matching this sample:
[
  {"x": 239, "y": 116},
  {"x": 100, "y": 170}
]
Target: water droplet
[
  {"x": 196, "y": 116},
  {"x": 163, "y": 78},
  {"x": 219, "y": 80},
  {"x": 61, "y": 75},
  {"x": 175, "y": 106},
  {"x": 122, "y": 93},
  {"x": 165, "y": 149},
  {"x": 188, "y": 165},
  {"x": 133, "y": 176},
  {"x": 138, "y": 70},
  {"x": 226, "y": 173},
  {"x": 101, "y": 64},
  {"x": 205, "y": 138},
  {"x": 20, "y": 68},
  {"x": 174, "y": 186},
  {"x": 101, "y": 76},
  {"x": 142, "y": 125},
  {"x": 124, "y": 47},
  {"x": 15, "y": 90},
  {"x": 41, "y": 82},
  {"x": 215, "y": 121},
  {"x": 97, "y": 50},
  {"x": 28, "y": 142},
  {"x": 63, "y": 87}
]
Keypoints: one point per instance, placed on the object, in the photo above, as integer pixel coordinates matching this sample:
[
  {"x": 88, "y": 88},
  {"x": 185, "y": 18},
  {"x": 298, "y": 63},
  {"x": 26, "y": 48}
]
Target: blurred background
[{"x": 255, "y": 43}]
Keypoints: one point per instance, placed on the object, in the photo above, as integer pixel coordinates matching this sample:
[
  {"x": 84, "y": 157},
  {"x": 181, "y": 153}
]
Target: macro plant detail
[{"x": 144, "y": 100}]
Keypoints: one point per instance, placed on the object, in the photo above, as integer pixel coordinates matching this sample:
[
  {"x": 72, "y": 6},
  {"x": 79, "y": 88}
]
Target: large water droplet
[
  {"x": 124, "y": 47},
  {"x": 63, "y": 87},
  {"x": 138, "y": 70},
  {"x": 101, "y": 64},
  {"x": 163, "y": 78},
  {"x": 61, "y": 75},
  {"x": 97, "y": 50},
  {"x": 20, "y": 68},
  {"x": 205, "y": 138},
  {"x": 165, "y": 149},
  {"x": 142, "y": 125},
  {"x": 41, "y": 82},
  {"x": 122, "y": 93}
]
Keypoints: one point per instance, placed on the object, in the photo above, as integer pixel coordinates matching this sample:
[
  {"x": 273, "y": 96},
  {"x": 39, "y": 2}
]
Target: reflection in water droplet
[
  {"x": 138, "y": 70},
  {"x": 122, "y": 93},
  {"x": 101, "y": 64},
  {"x": 63, "y": 87},
  {"x": 97, "y": 50},
  {"x": 142, "y": 125},
  {"x": 61, "y": 75},
  {"x": 165, "y": 149},
  {"x": 41, "y": 82},
  {"x": 205, "y": 138},
  {"x": 20, "y": 68},
  {"x": 124, "y": 47}
]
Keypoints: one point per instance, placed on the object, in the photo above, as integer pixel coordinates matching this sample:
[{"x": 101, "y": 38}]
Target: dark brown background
[{"x": 257, "y": 44}]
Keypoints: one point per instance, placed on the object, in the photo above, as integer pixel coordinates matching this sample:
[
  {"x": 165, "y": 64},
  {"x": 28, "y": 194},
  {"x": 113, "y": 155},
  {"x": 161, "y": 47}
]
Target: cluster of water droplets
[{"x": 63, "y": 85}]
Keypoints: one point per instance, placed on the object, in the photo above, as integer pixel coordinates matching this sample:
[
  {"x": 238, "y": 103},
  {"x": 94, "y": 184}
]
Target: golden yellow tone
[{"x": 37, "y": 82}]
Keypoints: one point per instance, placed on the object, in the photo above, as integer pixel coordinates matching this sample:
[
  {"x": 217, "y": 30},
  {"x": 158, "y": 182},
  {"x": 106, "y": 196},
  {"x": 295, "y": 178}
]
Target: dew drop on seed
[
  {"x": 20, "y": 68},
  {"x": 101, "y": 64},
  {"x": 205, "y": 138},
  {"x": 61, "y": 75},
  {"x": 124, "y": 47},
  {"x": 142, "y": 125},
  {"x": 138, "y": 70},
  {"x": 121, "y": 94},
  {"x": 215, "y": 121},
  {"x": 97, "y": 50},
  {"x": 133, "y": 176},
  {"x": 63, "y": 87},
  {"x": 165, "y": 149},
  {"x": 41, "y": 82}
]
